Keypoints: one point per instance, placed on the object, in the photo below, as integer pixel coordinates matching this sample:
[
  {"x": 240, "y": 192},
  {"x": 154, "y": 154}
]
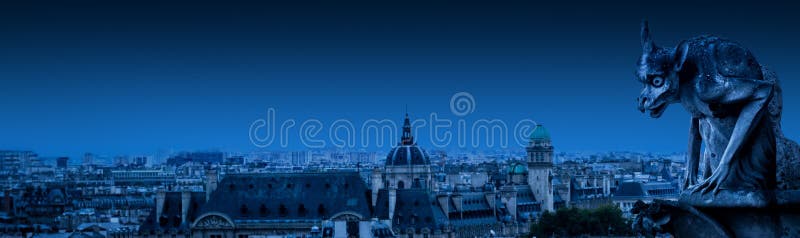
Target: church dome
[
  {"x": 407, "y": 155},
  {"x": 517, "y": 169},
  {"x": 540, "y": 133},
  {"x": 407, "y": 152}
]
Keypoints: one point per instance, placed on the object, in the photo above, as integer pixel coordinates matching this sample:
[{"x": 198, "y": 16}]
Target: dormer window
[
  {"x": 243, "y": 209},
  {"x": 263, "y": 210}
]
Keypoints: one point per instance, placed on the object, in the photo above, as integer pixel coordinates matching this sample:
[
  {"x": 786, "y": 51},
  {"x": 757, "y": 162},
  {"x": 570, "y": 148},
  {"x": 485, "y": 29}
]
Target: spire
[{"x": 407, "y": 138}]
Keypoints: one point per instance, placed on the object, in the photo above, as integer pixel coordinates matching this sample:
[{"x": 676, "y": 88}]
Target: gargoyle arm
[
  {"x": 693, "y": 156},
  {"x": 754, "y": 94}
]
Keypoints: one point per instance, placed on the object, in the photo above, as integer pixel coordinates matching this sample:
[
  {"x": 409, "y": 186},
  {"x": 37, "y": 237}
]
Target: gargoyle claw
[{"x": 712, "y": 184}]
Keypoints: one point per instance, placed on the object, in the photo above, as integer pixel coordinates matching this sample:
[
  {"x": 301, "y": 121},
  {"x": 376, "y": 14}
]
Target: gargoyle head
[{"x": 658, "y": 71}]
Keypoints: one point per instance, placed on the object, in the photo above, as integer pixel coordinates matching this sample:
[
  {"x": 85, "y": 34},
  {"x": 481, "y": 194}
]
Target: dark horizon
[{"x": 137, "y": 77}]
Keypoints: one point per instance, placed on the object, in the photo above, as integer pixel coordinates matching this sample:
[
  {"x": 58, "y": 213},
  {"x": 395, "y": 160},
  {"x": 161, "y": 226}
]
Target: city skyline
[
  {"x": 409, "y": 119},
  {"x": 197, "y": 78}
]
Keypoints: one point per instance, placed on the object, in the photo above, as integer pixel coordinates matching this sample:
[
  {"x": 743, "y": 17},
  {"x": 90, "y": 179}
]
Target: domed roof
[
  {"x": 517, "y": 168},
  {"x": 407, "y": 155},
  {"x": 407, "y": 152},
  {"x": 540, "y": 133}
]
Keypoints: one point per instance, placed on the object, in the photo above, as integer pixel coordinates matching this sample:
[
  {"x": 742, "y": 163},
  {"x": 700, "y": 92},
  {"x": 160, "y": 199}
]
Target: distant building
[
  {"x": 88, "y": 159},
  {"x": 629, "y": 192},
  {"x": 362, "y": 157},
  {"x": 197, "y": 157},
  {"x": 540, "y": 163},
  {"x": 121, "y": 161},
  {"x": 16, "y": 161},
  {"x": 235, "y": 160},
  {"x": 300, "y": 158},
  {"x": 277, "y": 204},
  {"x": 61, "y": 162},
  {"x": 142, "y": 177},
  {"x": 140, "y": 161}
]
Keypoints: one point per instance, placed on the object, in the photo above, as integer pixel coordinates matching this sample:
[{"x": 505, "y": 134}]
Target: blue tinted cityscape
[{"x": 348, "y": 119}]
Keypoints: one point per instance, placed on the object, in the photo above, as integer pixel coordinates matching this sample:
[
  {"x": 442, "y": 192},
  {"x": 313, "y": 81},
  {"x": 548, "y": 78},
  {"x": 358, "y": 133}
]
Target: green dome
[
  {"x": 540, "y": 133},
  {"x": 517, "y": 168}
]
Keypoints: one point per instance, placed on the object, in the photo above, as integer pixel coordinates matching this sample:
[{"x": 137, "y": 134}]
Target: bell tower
[{"x": 540, "y": 166}]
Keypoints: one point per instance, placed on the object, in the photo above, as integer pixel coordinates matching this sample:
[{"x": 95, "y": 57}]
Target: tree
[{"x": 604, "y": 220}]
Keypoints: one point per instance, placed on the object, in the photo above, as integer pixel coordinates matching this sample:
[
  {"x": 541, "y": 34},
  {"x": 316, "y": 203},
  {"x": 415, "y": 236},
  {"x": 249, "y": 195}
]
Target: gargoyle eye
[{"x": 657, "y": 81}]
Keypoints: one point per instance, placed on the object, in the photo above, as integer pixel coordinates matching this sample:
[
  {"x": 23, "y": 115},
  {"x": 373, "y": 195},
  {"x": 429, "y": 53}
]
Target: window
[
  {"x": 301, "y": 210},
  {"x": 263, "y": 210},
  {"x": 282, "y": 211},
  {"x": 243, "y": 209},
  {"x": 215, "y": 236},
  {"x": 321, "y": 210}
]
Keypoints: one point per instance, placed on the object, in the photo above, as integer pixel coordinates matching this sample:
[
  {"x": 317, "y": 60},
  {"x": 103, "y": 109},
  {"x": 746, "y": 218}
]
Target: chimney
[
  {"x": 377, "y": 182},
  {"x": 509, "y": 197},
  {"x": 490, "y": 198},
  {"x": 186, "y": 198},
  {"x": 392, "y": 201},
  {"x": 211, "y": 183},
  {"x": 160, "y": 196},
  {"x": 458, "y": 202},
  {"x": 444, "y": 203}
]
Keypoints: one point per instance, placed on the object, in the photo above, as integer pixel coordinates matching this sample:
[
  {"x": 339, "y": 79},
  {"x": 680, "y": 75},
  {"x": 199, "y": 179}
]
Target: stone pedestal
[{"x": 726, "y": 214}]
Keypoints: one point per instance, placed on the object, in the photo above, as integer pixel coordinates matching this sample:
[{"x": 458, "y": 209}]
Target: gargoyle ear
[
  {"x": 647, "y": 40},
  {"x": 679, "y": 56}
]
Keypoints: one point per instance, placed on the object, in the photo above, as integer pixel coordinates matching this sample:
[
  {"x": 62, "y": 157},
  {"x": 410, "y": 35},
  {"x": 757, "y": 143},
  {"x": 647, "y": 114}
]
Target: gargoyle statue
[{"x": 735, "y": 109}]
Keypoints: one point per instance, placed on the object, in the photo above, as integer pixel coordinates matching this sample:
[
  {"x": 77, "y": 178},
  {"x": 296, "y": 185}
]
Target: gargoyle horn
[{"x": 647, "y": 40}]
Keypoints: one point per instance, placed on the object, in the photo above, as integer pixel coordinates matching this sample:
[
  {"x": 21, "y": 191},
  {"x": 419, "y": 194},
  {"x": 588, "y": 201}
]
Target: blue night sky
[{"x": 134, "y": 77}]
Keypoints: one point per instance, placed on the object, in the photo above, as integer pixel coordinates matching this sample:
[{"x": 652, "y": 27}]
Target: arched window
[{"x": 401, "y": 184}]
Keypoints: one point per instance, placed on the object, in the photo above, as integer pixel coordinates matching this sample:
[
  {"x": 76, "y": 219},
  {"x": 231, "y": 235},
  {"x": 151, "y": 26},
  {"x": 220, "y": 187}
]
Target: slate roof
[
  {"x": 474, "y": 202},
  {"x": 414, "y": 208},
  {"x": 171, "y": 215},
  {"x": 630, "y": 189},
  {"x": 475, "y": 211},
  {"x": 640, "y": 190},
  {"x": 289, "y": 196}
]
